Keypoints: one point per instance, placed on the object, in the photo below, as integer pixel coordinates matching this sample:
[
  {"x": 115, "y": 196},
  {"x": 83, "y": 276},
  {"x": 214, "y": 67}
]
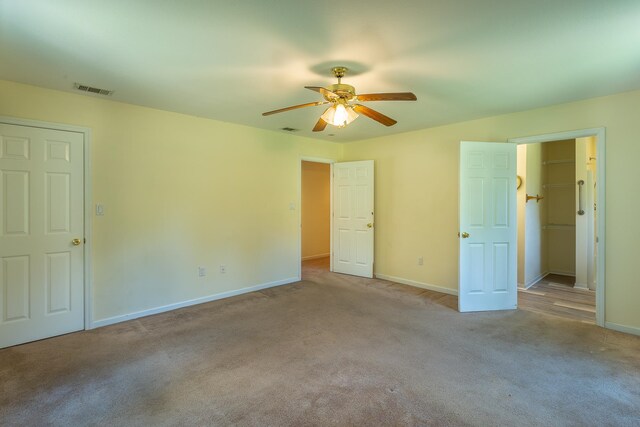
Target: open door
[
  {"x": 488, "y": 227},
  {"x": 353, "y": 218}
]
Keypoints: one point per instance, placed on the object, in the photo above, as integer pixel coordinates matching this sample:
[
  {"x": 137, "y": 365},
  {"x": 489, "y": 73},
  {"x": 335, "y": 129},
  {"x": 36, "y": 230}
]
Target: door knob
[
  {"x": 75, "y": 242},
  {"x": 370, "y": 225},
  {"x": 465, "y": 235}
]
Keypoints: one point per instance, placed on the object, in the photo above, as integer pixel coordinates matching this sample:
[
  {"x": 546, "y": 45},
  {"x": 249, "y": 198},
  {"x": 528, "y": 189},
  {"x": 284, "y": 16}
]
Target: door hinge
[{"x": 85, "y": 240}]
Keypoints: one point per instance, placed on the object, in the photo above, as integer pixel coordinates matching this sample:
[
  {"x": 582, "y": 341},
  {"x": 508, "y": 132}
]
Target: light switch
[{"x": 99, "y": 209}]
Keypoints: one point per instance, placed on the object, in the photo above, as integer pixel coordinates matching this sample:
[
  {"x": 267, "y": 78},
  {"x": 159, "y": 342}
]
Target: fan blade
[
  {"x": 281, "y": 110},
  {"x": 400, "y": 96},
  {"x": 319, "y": 127},
  {"x": 373, "y": 114},
  {"x": 325, "y": 92}
]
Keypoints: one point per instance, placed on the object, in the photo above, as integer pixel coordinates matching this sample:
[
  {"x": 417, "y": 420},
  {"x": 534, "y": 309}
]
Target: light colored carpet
[{"x": 331, "y": 350}]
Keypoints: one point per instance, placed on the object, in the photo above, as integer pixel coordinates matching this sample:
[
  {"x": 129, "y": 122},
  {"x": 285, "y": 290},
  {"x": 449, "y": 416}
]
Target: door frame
[
  {"x": 600, "y": 135},
  {"x": 88, "y": 203},
  {"x": 330, "y": 162}
]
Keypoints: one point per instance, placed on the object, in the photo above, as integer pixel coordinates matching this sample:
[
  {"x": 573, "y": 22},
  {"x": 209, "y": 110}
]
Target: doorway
[
  {"x": 315, "y": 217},
  {"x": 351, "y": 216},
  {"x": 560, "y": 205}
]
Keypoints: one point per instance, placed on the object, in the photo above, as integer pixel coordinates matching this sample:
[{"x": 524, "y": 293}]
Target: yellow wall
[
  {"x": 316, "y": 209},
  {"x": 151, "y": 168},
  {"x": 179, "y": 192},
  {"x": 559, "y": 202},
  {"x": 417, "y": 192}
]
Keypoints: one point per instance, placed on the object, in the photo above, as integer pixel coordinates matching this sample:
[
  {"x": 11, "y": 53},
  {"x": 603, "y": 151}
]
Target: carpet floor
[{"x": 330, "y": 350}]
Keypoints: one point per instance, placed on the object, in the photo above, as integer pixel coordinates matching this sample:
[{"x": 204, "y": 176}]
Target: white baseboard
[
  {"x": 581, "y": 286},
  {"x": 307, "y": 258},
  {"x": 535, "y": 280},
  {"x": 417, "y": 284},
  {"x": 622, "y": 328},
  {"x": 562, "y": 273},
  {"x": 169, "y": 307}
]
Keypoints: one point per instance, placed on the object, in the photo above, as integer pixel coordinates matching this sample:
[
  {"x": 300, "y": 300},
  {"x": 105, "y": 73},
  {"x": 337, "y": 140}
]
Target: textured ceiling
[{"x": 233, "y": 60}]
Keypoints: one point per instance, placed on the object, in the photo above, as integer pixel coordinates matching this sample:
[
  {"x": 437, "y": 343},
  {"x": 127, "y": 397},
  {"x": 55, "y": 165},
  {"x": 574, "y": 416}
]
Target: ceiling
[{"x": 233, "y": 60}]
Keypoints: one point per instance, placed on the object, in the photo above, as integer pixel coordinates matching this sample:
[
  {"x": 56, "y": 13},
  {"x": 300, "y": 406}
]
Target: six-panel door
[
  {"x": 488, "y": 227},
  {"x": 41, "y": 213},
  {"x": 353, "y": 218}
]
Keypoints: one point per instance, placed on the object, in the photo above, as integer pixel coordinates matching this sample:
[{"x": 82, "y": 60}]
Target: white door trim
[
  {"x": 600, "y": 135},
  {"x": 88, "y": 226},
  {"x": 316, "y": 160}
]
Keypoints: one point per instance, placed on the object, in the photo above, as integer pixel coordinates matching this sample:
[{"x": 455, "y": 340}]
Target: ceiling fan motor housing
[{"x": 346, "y": 92}]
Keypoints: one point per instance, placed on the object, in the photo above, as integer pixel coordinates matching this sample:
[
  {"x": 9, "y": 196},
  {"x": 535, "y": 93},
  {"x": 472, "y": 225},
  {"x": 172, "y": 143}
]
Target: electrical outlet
[
  {"x": 202, "y": 271},
  {"x": 223, "y": 269},
  {"x": 420, "y": 261}
]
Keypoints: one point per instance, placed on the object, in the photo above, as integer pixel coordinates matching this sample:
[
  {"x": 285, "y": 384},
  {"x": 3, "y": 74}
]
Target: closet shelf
[
  {"x": 558, "y": 162},
  {"x": 561, "y": 185},
  {"x": 559, "y": 227}
]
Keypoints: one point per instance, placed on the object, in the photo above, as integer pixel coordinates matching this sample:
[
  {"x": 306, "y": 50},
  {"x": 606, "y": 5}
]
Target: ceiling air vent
[
  {"x": 288, "y": 129},
  {"x": 92, "y": 89}
]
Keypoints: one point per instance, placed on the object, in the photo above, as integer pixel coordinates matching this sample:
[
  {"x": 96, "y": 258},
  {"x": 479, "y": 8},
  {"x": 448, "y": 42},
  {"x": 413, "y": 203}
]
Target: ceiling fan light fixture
[
  {"x": 339, "y": 115},
  {"x": 351, "y": 115},
  {"x": 342, "y": 111}
]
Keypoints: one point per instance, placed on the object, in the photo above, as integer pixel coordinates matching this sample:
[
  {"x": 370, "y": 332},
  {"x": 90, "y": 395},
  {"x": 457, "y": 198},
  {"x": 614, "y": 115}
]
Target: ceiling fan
[{"x": 344, "y": 108}]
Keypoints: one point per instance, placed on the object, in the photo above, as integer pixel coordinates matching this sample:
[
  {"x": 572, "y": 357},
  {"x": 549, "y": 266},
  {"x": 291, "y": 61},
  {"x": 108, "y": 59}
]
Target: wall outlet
[
  {"x": 420, "y": 261},
  {"x": 202, "y": 271},
  {"x": 223, "y": 269}
]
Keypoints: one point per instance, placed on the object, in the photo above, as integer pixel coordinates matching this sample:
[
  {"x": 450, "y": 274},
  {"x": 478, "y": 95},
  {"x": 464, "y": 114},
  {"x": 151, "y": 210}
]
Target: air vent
[
  {"x": 288, "y": 129},
  {"x": 92, "y": 89}
]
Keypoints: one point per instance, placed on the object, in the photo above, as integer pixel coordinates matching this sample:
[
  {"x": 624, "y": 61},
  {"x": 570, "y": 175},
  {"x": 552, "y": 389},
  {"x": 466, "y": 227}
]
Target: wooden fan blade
[
  {"x": 281, "y": 110},
  {"x": 400, "y": 96},
  {"x": 325, "y": 92},
  {"x": 319, "y": 127},
  {"x": 373, "y": 114}
]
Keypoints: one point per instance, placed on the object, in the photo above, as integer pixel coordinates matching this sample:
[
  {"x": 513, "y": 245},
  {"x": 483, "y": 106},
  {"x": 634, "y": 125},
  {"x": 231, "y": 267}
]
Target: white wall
[
  {"x": 584, "y": 251},
  {"x": 592, "y": 181},
  {"x": 521, "y": 203},
  {"x": 535, "y": 248}
]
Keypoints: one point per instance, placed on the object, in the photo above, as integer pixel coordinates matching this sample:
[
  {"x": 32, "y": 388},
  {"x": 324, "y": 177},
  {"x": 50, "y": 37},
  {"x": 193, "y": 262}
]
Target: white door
[
  {"x": 353, "y": 218},
  {"x": 41, "y": 213},
  {"x": 488, "y": 227}
]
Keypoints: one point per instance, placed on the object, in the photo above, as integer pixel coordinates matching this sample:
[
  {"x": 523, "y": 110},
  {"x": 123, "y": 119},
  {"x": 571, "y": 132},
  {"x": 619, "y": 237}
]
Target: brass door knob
[
  {"x": 370, "y": 225},
  {"x": 75, "y": 242},
  {"x": 465, "y": 235}
]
